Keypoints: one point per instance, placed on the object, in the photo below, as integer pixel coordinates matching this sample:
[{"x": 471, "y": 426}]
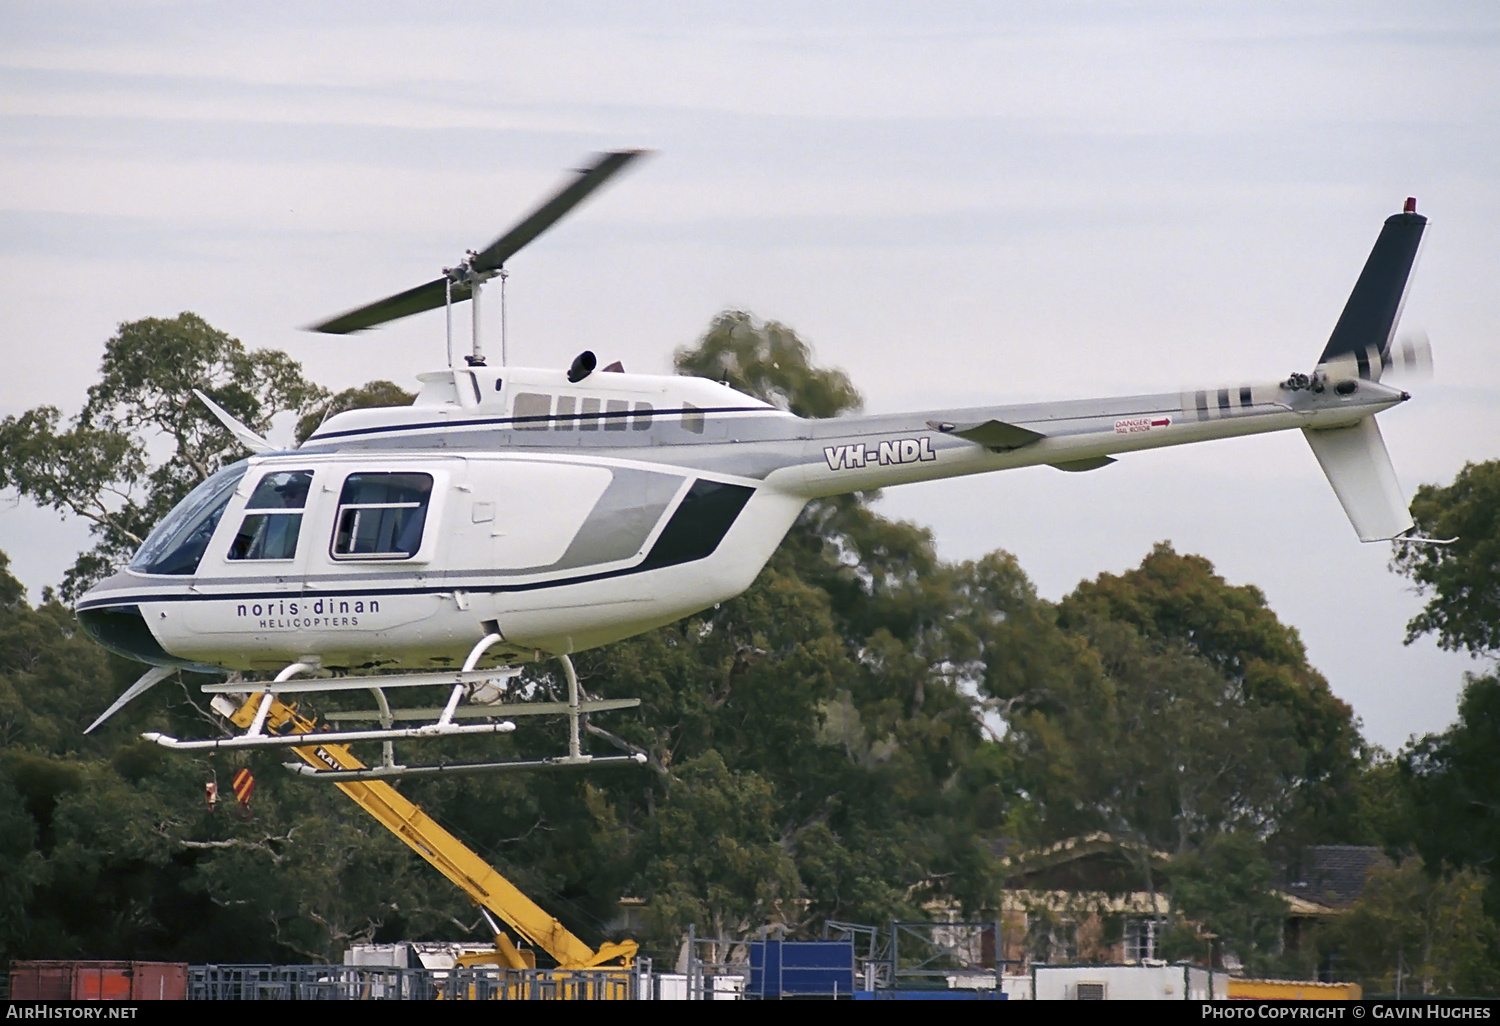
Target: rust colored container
[
  {"x": 98, "y": 981},
  {"x": 47, "y": 981},
  {"x": 158, "y": 981}
]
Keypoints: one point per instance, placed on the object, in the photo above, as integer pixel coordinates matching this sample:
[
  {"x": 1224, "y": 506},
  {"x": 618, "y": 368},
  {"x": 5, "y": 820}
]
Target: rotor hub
[{"x": 465, "y": 274}]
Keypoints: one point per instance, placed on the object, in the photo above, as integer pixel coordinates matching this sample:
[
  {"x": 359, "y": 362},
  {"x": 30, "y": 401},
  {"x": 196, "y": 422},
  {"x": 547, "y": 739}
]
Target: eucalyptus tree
[{"x": 142, "y": 439}]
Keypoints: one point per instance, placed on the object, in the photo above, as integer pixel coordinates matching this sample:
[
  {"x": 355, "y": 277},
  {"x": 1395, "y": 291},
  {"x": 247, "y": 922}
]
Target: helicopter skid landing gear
[
  {"x": 460, "y": 768},
  {"x": 574, "y": 709},
  {"x": 271, "y": 723}
]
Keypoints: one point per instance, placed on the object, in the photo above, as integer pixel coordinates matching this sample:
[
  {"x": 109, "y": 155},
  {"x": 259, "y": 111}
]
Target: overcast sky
[{"x": 957, "y": 203}]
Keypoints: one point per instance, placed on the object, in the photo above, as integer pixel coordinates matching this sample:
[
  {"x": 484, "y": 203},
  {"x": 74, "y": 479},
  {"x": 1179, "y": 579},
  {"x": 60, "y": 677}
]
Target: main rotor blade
[
  {"x": 605, "y": 167},
  {"x": 424, "y": 297},
  {"x": 431, "y": 295}
]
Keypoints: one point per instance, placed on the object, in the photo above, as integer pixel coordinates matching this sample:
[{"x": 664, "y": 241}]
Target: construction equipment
[{"x": 486, "y": 887}]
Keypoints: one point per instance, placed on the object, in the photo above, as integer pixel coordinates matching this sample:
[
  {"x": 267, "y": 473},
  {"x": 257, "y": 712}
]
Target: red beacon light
[{"x": 1411, "y": 205}]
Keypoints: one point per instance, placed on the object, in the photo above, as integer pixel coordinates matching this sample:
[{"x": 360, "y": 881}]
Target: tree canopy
[
  {"x": 101, "y": 468},
  {"x": 1463, "y": 576},
  {"x": 1178, "y": 600},
  {"x": 1452, "y": 815}
]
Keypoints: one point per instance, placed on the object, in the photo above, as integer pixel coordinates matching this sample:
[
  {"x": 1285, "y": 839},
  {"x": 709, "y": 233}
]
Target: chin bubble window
[
  {"x": 381, "y": 516},
  {"x": 273, "y": 517}
]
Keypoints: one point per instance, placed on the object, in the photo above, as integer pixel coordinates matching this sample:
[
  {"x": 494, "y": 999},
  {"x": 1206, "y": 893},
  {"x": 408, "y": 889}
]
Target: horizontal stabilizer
[
  {"x": 1078, "y": 466},
  {"x": 997, "y": 435},
  {"x": 1359, "y": 468}
]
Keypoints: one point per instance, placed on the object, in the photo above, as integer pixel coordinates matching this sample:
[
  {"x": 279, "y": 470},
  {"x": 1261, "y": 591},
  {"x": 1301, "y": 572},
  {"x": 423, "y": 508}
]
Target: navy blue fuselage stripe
[
  {"x": 494, "y": 589},
  {"x": 571, "y": 418}
]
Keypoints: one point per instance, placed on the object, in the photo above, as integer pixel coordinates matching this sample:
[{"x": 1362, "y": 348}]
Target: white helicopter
[{"x": 512, "y": 514}]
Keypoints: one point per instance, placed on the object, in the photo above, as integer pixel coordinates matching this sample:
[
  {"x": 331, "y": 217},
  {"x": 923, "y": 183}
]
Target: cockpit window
[
  {"x": 178, "y": 543},
  {"x": 381, "y": 516},
  {"x": 282, "y": 490},
  {"x": 273, "y": 517}
]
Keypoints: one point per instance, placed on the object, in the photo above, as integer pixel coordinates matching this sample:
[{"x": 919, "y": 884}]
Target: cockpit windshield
[{"x": 178, "y": 543}]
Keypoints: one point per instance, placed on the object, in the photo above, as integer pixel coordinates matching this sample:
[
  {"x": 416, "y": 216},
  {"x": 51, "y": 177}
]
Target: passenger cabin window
[
  {"x": 615, "y": 410},
  {"x": 642, "y": 419},
  {"x": 273, "y": 517},
  {"x": 532, "y": 410},
  {"x": 381, "y": 516},
  {"x": 590, "y": 419},
  {"x": 566, "y": 404},
  {"x": 692, "y": 419}
]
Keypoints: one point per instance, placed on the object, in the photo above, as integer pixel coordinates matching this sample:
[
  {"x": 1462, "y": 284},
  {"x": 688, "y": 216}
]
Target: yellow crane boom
[{"x": 447, "y": 854}]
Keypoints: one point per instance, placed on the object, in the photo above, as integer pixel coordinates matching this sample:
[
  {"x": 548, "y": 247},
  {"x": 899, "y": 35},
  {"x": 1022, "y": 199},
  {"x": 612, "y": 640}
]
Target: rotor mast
[{"x": 472, "y": 280}]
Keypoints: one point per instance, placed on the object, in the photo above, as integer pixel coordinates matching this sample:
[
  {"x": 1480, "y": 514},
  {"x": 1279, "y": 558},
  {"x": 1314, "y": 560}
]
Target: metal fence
[{"x": 380, "y": 983}]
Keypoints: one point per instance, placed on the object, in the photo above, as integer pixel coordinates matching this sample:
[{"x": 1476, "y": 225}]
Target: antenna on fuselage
[
  {"x": 448, "y": 314},
  {"x": 503, "y": 275},
  {"x": 465, "y": 280}
]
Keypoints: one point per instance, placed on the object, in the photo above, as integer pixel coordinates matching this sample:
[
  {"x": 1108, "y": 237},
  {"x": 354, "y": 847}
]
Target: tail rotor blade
[{"x": 1410, "y": 357}]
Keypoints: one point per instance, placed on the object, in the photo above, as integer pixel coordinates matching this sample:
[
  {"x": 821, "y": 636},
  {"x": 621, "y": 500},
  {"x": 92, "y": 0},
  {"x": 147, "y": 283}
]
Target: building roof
[
  {"x": 1332, "y": 875},
  {"x": 1079, "y": 902},
  {"x": 1096, "y": 863},
  {"x": 1106, "y": 873}
]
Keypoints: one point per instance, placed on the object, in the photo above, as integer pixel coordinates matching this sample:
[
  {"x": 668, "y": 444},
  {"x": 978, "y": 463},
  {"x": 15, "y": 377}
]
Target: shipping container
[
  {"x": 1294, "y": 990},
  {"x": 801, "y": 969},
  {"x": 62, "y": 980}
]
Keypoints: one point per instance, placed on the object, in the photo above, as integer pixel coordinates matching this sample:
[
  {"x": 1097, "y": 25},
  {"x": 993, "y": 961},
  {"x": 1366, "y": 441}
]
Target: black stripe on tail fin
[{"x": 1369, "y": 318}]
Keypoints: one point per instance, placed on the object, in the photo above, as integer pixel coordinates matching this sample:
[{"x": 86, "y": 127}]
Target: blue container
[{"x": 801, "y": 969}]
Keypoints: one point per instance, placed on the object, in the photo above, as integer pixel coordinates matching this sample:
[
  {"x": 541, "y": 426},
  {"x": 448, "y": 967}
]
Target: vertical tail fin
[
  {"x": 1359, "y": 468},
  {"x": 1354, "y": 458},
  {"x": 1360, "y": 345}
]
